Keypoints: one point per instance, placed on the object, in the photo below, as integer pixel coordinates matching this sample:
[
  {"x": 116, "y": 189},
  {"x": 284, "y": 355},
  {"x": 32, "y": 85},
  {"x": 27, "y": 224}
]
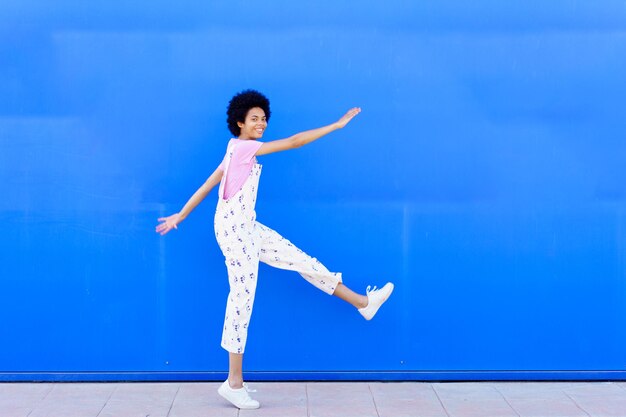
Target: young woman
[{"x": 244, "y": 241}]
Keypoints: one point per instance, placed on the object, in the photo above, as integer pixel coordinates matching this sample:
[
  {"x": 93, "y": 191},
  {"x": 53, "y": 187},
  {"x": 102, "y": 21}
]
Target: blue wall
[{"x": 485, "y": 176}]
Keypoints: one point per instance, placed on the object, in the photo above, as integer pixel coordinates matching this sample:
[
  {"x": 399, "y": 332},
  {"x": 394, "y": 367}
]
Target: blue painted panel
[{"x": 485, "y": 177}]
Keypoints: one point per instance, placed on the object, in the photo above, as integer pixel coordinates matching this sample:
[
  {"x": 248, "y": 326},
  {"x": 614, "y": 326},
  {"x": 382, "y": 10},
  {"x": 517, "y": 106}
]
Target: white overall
[{"x": 244, "y": 242}]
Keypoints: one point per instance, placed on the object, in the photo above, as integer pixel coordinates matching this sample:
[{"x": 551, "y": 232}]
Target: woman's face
[{"x": 254, "y": 125}]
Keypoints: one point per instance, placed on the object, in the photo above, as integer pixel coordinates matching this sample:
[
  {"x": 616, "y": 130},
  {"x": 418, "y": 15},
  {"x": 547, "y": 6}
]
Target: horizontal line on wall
[{"x": 430, "y": 376}]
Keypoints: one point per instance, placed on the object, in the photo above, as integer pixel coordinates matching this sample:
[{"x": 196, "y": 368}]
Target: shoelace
[
  {"x": 245, "y": 385},
  {"x": 367, "y": 290}
]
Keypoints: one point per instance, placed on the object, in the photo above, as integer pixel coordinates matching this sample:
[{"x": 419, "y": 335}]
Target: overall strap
[{"x": 229, "y": 155}]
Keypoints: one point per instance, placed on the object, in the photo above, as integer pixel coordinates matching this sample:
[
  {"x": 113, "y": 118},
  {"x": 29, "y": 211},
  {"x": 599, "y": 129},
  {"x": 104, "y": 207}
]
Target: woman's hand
[
  {"x": 347, "y": 117},
  {"x": 168, "y": 224}
]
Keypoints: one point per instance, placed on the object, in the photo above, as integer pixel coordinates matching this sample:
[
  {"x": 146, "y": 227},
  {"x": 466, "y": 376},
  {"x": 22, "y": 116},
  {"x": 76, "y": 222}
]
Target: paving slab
[
  {"x": 280, "y": 399},
  {"x": 18, "y": 400},
  {"x": 332, "y": 399},
  {"x": 74, "y": 400},
  {"x": 608, "y": 406},
  {"x": 473, "y": 399},
  {"x": 161, "y": 394},
  {"x": 536, "y": 399},
  {"x": 195, "y": 399},
  {"x": 406, "y": 399},
  {"x": 593, "y": 389}
]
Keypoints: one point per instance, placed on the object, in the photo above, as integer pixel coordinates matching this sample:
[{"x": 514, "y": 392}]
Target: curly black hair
[{"x": 240, "y": 104}]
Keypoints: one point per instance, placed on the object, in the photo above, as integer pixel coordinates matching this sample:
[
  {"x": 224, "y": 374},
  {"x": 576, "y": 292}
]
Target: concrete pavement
[{"x": 317, "y": 399}]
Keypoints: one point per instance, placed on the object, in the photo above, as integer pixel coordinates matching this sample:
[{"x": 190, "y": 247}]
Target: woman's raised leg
[
  {"x": 281, "y": 253},
  {"x": 349, "y": 296}
]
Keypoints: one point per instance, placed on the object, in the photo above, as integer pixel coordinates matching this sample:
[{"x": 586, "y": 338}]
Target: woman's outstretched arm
[
  {"x": 302, "y": 138},
  {"x": 171, "y": 222}
]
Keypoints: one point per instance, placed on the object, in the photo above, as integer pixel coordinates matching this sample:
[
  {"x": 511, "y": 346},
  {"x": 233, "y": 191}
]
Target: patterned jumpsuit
[{"x": 244, "y": 242}]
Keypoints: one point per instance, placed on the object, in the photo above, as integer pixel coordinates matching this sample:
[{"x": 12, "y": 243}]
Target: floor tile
[
  {"x": 204, "y": 410},
  {"x": 594, "y": 389},
  {"x": 473, "y": 400},
  {"x": 8, "y": 410},
  {"x": 279, "y": 399},
  {"x": 603, "y": 406},
  {"x": 536, "y": 399},
  {"x": 70, "y": 399},
  {"x": 330, "y": 399},
  {"x": 406, "y": 399},
  {"x": 20, "y": 399},
  {"x": 24, "y": 389}
]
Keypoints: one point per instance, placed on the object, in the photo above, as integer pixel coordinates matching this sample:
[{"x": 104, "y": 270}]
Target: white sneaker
[
  {"x": 375, "y": 298},
  {"x": 238, "y": 397}
]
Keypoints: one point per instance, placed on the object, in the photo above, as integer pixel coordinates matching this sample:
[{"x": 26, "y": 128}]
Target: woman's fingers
[
  {"x": 168, "y": 223},
  {"x": 162, "y": 227},
  {"x": 354, "y": 111},
  {"x": 164, "y": 230},
  {"x": 165, "y": 227},
  {"x": 349, "y": 115}
]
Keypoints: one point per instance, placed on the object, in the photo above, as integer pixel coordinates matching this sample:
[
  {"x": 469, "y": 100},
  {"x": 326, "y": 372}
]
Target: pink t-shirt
[{"x": 240, "y": 164}]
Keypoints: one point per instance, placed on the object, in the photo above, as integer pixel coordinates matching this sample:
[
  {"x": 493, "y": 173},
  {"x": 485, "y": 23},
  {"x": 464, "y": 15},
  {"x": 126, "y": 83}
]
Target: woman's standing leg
[
  {"x": 242, "y": 277},
  {"x": 242, "y": 264},
  {"x": 235, "y": 370},
  {"x": 242, "y": 274}
]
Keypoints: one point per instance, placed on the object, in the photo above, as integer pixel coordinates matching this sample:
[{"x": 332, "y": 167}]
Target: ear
[{"x": 240, "y": 125}]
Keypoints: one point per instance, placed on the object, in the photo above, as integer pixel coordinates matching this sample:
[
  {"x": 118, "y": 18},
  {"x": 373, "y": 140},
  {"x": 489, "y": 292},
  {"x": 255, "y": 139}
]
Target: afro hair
[{"x": 240, "y": 104}]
